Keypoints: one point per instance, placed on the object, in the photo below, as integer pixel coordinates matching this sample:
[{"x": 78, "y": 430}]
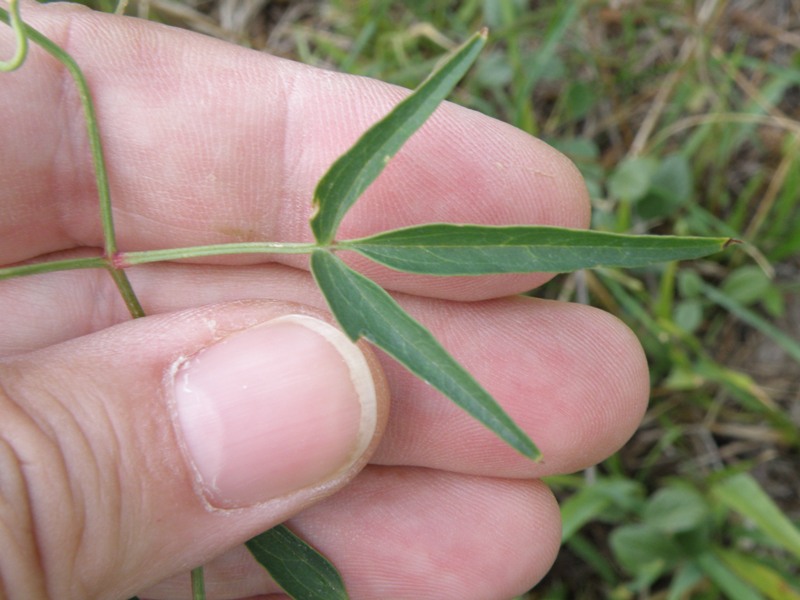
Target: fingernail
[{"x": 271, "y": 410}]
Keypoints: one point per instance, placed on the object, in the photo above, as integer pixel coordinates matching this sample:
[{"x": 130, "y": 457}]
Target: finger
[
  {"x": 125, "y": 462},
  {"x": 413, "y": 534},
  {"x": 210, "y": 143},
  {"x": 574, "y": 377}
]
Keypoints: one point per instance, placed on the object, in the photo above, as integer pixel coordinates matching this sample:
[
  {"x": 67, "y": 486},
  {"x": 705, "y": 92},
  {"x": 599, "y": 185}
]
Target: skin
[{"x": 209, "y": 143}]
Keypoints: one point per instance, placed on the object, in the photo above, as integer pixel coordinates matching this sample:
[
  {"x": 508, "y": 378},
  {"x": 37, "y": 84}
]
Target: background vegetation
[{"x": 684, "y": 117}]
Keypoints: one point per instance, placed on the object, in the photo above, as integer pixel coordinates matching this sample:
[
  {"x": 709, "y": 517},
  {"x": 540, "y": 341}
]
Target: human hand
[{"x": 210, "y": 143}]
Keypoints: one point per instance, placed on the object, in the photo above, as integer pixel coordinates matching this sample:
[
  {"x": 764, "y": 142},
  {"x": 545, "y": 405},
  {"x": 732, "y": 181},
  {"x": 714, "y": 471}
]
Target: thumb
[{"x": 146, "y": 449}]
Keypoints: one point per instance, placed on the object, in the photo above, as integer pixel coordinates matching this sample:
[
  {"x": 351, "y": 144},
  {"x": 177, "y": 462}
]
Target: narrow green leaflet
[
  {"x": 364, "y": 309},
  {"x": 302, "y": 572},
  {"x": 447, "y": 249},
  {"x": 355, "y": 170}
]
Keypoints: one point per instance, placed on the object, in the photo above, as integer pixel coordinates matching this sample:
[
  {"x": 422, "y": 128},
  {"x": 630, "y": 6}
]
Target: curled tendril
[{"x": 22, "y": 40}]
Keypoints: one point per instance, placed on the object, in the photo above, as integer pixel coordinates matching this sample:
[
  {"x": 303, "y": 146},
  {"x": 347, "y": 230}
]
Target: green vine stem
[
  {"x": 25, "y": 31},
  {"x": 21, "y": 50},
  {"x": 123, "y": 260},
  {"x": 198, "y": 584},
  {"x": 127, "y": 259},
  {"x": 95, "y": 262}
]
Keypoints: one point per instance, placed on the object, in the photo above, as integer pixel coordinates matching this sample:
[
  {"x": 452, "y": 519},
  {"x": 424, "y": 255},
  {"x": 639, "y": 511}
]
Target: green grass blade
[
  {"x": 743, "y": 494},
  {"x": 593, "y": 501},
  {"x": 594, "y": 557},
  {"x": 579, "y": 509},
  {"x": 446, "y": 249},
  {"x": 726, "y": 580},
  {"x": 760, "y": 575},
  {"x": 302, "y": 572},
  {"x": 355, "y": 170},
  {"x": 789, "y": 345},
  {"x": 686, "y": 579},
  {"x": 533, "y": 71},
  {"x": 364, "y": 309}
]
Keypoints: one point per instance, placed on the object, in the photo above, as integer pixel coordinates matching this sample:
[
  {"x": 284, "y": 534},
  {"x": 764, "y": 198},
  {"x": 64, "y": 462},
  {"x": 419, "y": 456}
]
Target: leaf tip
[
  {"x": 484, "y": 32},
  {"x": 525, "y": 446},
  {"x": 731, "y": 242},
  {"x": 534, "y": 454}
]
